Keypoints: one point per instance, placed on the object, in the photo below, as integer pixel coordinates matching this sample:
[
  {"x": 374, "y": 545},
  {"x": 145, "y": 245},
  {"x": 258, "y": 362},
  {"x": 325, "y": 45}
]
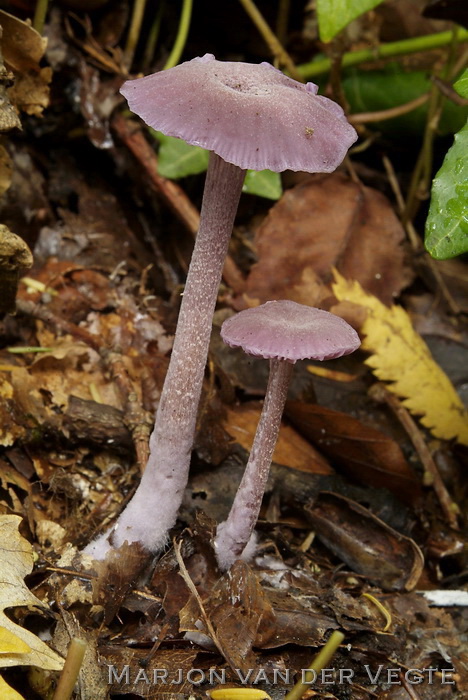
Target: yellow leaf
[
  {"x": 400, "y": 355},
  {"x": 16, "y": 562},
  {"x": 7, "y": 692},
  {"x": 11, "y": 644}
]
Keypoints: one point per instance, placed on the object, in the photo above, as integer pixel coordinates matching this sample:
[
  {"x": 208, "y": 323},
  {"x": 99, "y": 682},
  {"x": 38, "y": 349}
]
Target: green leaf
[
  {"x": 263, "y": 183},
  {"x": 372, "y": 91},
  {"x": 461, "y": 86},
  {"x": 178, "y": 159},
  {"x": 447, "y": 222},
  {"x": 334, "y": 15}
]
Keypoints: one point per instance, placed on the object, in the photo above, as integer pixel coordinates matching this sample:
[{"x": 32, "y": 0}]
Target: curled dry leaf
[
  {"x": 23, "y": 49},
  {"x": 366, "y": 543},
  {"x": 326, "y": 222},
  {"x": 16, "y": 562},
  {"x": 15, "y": 256}
]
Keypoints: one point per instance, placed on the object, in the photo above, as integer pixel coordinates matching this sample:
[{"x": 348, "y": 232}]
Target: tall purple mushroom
[
  {"x": 283, "y": 332},
  {"x": 247, "y": 116}
]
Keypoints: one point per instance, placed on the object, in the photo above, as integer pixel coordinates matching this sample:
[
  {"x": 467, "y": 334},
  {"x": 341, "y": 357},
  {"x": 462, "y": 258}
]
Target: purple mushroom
[
  {"x": 247, "y": 116},
  {"x": 283, "y": 332}
]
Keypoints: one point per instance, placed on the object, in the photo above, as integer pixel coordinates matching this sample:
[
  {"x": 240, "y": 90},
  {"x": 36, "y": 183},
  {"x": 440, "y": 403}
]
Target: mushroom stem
[
  {"x": 153, "y": 509},
  {"x": 234, "y": 533}
]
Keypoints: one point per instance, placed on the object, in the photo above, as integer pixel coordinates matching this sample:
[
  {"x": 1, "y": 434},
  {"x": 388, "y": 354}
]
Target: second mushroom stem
[
  {"x": 234, "y": 534},
  {"x": 153, "y": 509}
]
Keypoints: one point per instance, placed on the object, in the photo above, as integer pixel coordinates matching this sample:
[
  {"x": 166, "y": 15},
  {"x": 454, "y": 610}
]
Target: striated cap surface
[
  {"x": 251, "y": 115},
  {"x": 290, "y": 331}
]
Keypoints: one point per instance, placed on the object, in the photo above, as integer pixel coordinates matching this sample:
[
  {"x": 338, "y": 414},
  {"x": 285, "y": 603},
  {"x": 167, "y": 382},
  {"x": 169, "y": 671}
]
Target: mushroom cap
[
  {"x": 289, "y": 331},
  {"x": 251, "y": 115}
]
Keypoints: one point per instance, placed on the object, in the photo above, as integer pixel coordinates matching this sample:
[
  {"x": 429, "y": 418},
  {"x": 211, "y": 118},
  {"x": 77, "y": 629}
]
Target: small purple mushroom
[
  {"x": 283, "y": 332},
  {"x": 247, "y": 116}
]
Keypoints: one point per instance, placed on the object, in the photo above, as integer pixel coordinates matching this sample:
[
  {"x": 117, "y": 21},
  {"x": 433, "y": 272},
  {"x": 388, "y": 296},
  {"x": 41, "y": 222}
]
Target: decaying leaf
[
  {"x": 325, "y": 222},
  {"x": 14, "y": 257},
  {"x": 5, "y": 163},
  {"x": 23, "y": 48},
  {"x": 16, "y": 562},
  {"x": 366, "y": 543},
  {"x": 400, "y": 356},
  {"x": 365, "y": 454}
]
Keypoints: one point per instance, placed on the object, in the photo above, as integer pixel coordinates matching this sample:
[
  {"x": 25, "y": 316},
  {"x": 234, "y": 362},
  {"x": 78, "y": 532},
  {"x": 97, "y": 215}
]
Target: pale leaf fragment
[
  {"x": 16, "y": 562},
  {"x": 399, "y": 355}
]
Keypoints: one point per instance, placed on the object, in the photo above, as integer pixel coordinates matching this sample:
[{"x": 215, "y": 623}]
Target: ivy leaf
[
  {"x": 263, "y": 183},
  {"x": 461, "y": 86},
  {"x": 372, "y": 91},
  {"x": 334, "y": 15},
  {"x": 178, "y": 159}
]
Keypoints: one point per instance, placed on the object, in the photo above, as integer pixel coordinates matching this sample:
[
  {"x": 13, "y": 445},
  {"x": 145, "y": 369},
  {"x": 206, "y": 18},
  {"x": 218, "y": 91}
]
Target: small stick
[
  {"x": 415, "y": 241},
  {"x": 71, "y": 669},
  {"x": 320, "y": 661},
  {"x": 380, "y": 393},
  {"x": 381, "y": 115},
  {"x": 134, "y": 32},
  {"x": 182, "y": 33},
  {"x": 173, "y": 195},
  {"x": 271, "y": 40}
]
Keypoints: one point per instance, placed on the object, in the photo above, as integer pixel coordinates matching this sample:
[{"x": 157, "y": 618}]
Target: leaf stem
[
  {"x": 40, "y": 15},
  {"x": 271, "y": 40},
  {"x": 389, "y": 50},
  {"x": 182, "y": 33},
  {"x": 134, "y": 32}
]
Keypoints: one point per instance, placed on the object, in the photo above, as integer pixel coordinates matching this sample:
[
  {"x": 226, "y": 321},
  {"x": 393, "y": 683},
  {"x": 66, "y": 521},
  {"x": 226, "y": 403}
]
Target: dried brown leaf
[
  {"x": 362, "y": 452},
  {"x": 291, "y": 449},
  {"x": 323, "y": 223},
  {"x": 23, "y": 48}
]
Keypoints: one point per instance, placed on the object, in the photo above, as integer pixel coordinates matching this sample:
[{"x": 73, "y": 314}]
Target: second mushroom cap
[{"x": 290, "y": 331}]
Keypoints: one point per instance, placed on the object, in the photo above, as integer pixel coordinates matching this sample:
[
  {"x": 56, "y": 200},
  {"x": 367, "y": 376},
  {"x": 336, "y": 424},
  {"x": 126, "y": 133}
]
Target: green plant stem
[
  {"x": 282, "y": 20},
  {"x": 421, "y": 177},
  {"x": 320, "y": 661},
  {"x": 153, "y": 36},
  {"x": 134, "y": 32},
  {"x": 182, "y": 33},
  {"x": 71, "y": 669},
  {"x": 272, "y": 41},
  {"x": 40, "y": 15},
  {"x": 390, "y": 50}
]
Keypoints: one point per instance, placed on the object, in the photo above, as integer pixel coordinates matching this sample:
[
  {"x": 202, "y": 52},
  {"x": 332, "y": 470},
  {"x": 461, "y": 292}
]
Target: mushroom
[
  {"x": 283, "y": 332},
  {"x": 247, "y": 116}
]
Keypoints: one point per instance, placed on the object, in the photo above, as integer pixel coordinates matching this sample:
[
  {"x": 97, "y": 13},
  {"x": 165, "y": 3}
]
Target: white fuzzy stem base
[
  {"x": 233, "y": 535},
  {"x": 153, "y": 509}
]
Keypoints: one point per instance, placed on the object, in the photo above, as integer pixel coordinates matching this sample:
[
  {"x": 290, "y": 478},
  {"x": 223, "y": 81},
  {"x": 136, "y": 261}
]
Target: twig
[
  {"x": 415, "y": 240},
  {"x": 191, "y": 586},
  {"x": 320, "y": 661},
  {"x": 450, "y": 509},
  {"x": 182, "y": 33},
  {"x": 71, "y": 669},
  {"x": 367, "y": 117},
  {"x": 153, "y": 36},
  {"x": 134, "y": 32},
  {"x": 389, "y": 50},
  {"x": 272, "y": 41},
  {"x": 40, "y": 14},
  {"x": 173, "y": 195}
]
